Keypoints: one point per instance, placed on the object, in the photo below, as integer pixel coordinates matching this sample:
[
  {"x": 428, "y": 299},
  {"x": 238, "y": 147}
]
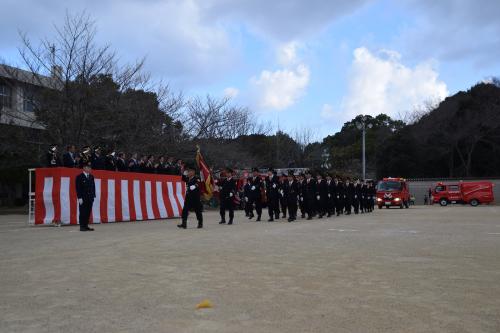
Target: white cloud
[
  {"x": 231, "y": 92},
  {"x": 280, "y": 89},
  {"x": 380, "y": 83},
  {"x": 327, "y": 112},
  {"x": 287, "y": 53}
]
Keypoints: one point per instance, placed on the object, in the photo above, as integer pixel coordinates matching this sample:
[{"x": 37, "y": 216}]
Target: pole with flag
[{"x": 205, "y": 175}]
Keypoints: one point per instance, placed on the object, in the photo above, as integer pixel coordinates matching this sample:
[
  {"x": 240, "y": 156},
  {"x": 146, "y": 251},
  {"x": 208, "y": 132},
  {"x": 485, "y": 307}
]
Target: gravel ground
[{"x": 423, "y": 269}]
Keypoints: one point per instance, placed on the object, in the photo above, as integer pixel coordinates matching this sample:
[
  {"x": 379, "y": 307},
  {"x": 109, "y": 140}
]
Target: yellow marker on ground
[{"x": 205, "y": 304}]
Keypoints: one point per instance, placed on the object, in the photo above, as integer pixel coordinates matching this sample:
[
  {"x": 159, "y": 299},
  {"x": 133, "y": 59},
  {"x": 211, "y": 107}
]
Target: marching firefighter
[
  {"x": 349, "y": 196},
  {"x": 283, "y": 200},
  {"x": 302, "y": 206},
  {"x": 340, "y": 196},
  {"x": 246, "y": 196},
  {"x": 272, "y": 193},
  {"x": 256, "y": 194},
  {"x": 321, "y": 195},
  {"x": 192, "y": 200},
  {"x": 357, "y": 196},
  {"x": 332, "y": 193},
  {"x": 310, "y": 193},
  {"x": 291, "y": 189},
  {"x": 227, "y": 194}
]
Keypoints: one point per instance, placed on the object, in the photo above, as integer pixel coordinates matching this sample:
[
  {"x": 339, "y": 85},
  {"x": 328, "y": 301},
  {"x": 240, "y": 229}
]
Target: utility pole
[{"x": 362, "y": 125}]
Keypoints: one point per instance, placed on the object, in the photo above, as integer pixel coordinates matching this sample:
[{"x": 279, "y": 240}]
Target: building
[{"x": 18, "y": 95}]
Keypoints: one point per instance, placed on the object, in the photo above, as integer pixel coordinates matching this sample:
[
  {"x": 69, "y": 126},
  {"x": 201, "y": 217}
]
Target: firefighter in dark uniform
[
  {"x": 246, "y": 196},
  {"x": 356, "y": 202},
  {"x": 53, "y": 157},
  {"x": 364, "y": 197},
  {"x": 227, "y": 193},
  {"x": 192, "y": 200},
  {"x": 85, "y": 192},
  {"x": 69, "y": 158},
  {"x": 373, "y": 194},
  {"x": 272, "y": 193},
  {"x": 98, "y": 162},
  {"x": 121, "y": 165},
  {"x": 322, "y": 202},
  {"x": 283, "y": 201},
  {"x": 302, "y": 206},
  {"x": 310, "y": 193},
  {"x": 291, "y": 190},
  {"x": 255, "y": 197},
  {"x": 330, "y": 207},
  {"x": 339, "y": 197},
  {"x": 349, "y": 196}
]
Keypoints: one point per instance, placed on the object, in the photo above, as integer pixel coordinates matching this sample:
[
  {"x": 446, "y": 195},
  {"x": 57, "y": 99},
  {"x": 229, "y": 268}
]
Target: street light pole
[{"x": 362, "y": 125}]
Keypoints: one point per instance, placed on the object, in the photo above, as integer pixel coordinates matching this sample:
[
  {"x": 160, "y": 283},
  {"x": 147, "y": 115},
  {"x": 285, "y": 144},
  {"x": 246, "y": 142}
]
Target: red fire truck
[
  {"x": 393, "y": 192},
  {"x": 473, "y": 193}
]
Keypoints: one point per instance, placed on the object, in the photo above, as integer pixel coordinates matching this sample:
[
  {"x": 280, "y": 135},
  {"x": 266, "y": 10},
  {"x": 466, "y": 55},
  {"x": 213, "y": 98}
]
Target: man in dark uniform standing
[
  {"x": 255, "y": 198},
  {"x": 121, "y": 165},
  {"x": 272, "y": 192},
  {"x": 85, "y": 192},
  {"x": 310, "y": 194},
  {"x": 246, "y": 196},
  {"x": 291, "y": 191},
  {"x": 69, "y": 158},
  {"x": 110, "y": 161},
  {"x": 98, "y": 160},
  {"x": 227, "y": 193},
  {"x": 192, "y": 200}
]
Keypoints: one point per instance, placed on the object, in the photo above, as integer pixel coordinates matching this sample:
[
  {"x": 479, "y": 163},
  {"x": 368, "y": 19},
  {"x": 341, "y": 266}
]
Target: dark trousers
[
  {"x": 310, "y": 206},
  {"x": 292, "y": 209},
  {"x": 85, "y": 209},
  {"x": 355, "y": 204},
  {"x": 321, "y": 205},
  {"x": 283, "y": 204},
  {"x": 273, "y": 208},
  {"x": 248, "y": 206},
  {"x": 302, "y": 206},
  {"x": 227, "y": 204},
  {"x": 196, "y": 205},
  {"x": 258, "y": 206},
  {"x": 348, "y": 205},
  {"x": 339, "y": 205}
]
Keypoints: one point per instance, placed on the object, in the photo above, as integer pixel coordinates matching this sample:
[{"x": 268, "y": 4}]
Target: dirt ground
[{"x": 423, "y": 269}]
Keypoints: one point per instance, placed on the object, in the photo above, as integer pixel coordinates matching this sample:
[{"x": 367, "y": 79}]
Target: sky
[{"x": 296, "y": 63}]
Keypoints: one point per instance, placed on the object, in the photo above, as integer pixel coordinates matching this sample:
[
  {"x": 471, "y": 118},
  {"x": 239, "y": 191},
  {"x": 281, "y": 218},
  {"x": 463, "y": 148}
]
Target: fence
[{"x": 120, "y": 196}]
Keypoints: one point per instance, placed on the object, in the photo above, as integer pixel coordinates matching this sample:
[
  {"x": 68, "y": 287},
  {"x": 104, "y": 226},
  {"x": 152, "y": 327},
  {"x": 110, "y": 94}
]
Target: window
[
  {"x": 5, "y": 96},
  {"x": 440, "y": 188},
  {"x": 28, "y": 101}
]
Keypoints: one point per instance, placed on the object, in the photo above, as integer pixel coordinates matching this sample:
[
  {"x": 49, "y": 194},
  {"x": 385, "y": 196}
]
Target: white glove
[
  {"x": 329, "y": 195},
  {"x": 253, "y": 188},
  {"x": 246, "y": 199},
  {"x": 301, "y": 199},
  {"x": 318, "y": 197},
  {"x": 231, "y": 194},
  {"x": 185, "y": 173},
  {"x": 80, "y": 201},
  {"x": 355, "y": 197},
  {"x": 337, "y": 197},
  {"x": 274, "y": 185},
  {"x": 192, "y": 187}
]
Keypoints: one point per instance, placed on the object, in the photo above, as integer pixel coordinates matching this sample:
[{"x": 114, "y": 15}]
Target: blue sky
[{"x": 309, "y": 63}]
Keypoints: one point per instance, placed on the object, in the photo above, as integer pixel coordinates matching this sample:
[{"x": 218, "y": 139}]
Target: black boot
[
  {"x": 183, "y": 225},
  {"x": 258, "y": 219},
  {"x": 230, "y": 222},
  {"x": 222, "y": 222},
  {"x": 200, "y": 225}
]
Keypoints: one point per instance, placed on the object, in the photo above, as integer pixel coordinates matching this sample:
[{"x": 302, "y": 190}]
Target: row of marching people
[{"x": 292, "y": 195}]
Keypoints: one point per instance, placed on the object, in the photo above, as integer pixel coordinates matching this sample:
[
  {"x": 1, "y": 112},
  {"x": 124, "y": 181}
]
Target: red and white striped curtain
[{"x": 120, "y": 196}]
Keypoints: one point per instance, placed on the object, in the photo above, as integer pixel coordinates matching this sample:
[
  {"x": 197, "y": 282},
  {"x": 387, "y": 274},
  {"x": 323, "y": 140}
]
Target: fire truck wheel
[
  {"x": 443, "y": 202},
  {"x": 474, "y": 202}
]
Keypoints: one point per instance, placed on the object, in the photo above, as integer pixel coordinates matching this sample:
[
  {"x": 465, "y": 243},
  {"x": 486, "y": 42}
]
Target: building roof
[{"x": 28, "y": 77}]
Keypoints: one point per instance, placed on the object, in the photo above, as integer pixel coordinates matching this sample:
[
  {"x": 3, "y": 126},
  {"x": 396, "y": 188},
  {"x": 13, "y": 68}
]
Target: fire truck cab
[
  {"x": 473, "y": 193},
  {"x": 393, "y": 192}
]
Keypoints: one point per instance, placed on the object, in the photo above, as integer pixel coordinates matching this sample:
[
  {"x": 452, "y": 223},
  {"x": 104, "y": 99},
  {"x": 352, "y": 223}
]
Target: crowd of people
[
  {"x": 113, "y": 161},
  {"x": 289, "y": 196}
]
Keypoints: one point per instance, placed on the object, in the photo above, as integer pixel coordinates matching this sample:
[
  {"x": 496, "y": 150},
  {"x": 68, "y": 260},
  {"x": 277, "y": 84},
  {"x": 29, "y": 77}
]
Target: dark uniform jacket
[
  {"x": 255, "y": 188},
  {"x": 85, "y": 187},
  {"x": 69, "y": 160},
  {"x": 110, "y": 163},
  {"x": 120, "y": 165},
  {"x": 322, "y": 189},
  {"x": 310, "y": 189},
  {"x": 98, "y": 162},
  {"x": 192, "y": 191},
  {"x": 272, "y": 188},
  {"x": 227, "y": 189},
  {"x": 291, "y": 191}
]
